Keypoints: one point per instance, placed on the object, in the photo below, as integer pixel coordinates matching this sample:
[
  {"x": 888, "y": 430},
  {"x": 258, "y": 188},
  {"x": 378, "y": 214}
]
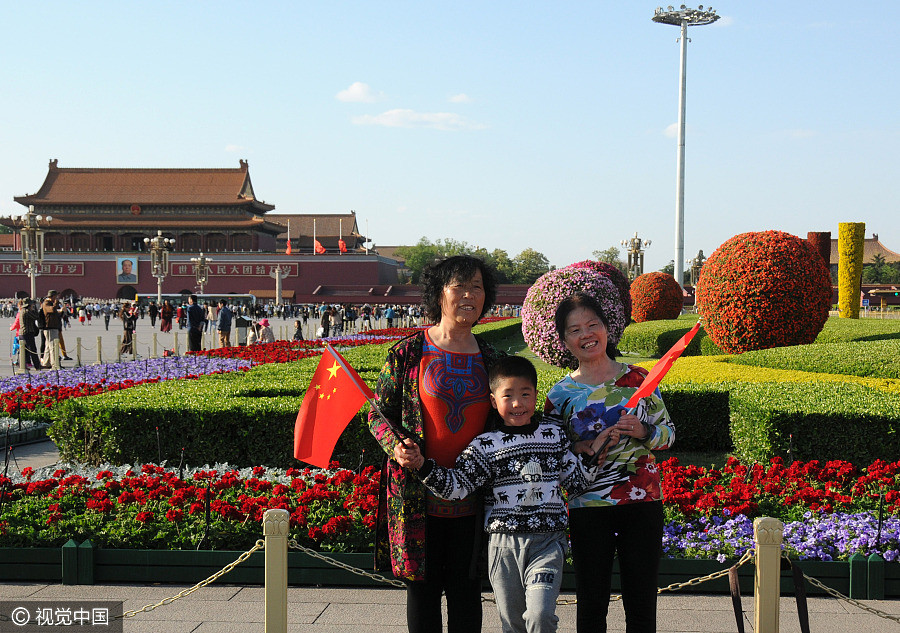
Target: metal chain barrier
[
  {"x": 293, "y": 544},
  {"x": 260, "y": 544},
  {"x": 856, "y": 603}
]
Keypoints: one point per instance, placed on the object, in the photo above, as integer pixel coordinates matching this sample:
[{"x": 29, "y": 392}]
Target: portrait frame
[{"x": 123, "y": 277}]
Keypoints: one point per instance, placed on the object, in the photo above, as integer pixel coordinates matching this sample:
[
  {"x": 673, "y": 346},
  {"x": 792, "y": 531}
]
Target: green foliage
[
  {"x": 654, "y": 338},
  {"x": 612, "y": 256},
  {"x": 524, "y": 268},
  {"x": 821, "y": 421},
  {"x": 846, "y": 330},
  {"x": 877, "y": 359}
]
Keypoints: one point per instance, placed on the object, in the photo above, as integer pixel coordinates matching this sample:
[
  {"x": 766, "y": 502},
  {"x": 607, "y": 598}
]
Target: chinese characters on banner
[
  {"x": 236, "y": 270},
  {"x": 75, "y": 269}
]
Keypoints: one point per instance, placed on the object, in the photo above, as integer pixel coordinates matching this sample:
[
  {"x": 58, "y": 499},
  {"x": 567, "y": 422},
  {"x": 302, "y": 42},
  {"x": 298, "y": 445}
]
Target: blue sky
[{"x": 513, "y": 125}]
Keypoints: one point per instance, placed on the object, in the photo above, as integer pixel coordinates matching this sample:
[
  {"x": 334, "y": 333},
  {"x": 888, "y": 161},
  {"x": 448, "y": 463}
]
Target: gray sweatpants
[{"x": 526, "y": 574}]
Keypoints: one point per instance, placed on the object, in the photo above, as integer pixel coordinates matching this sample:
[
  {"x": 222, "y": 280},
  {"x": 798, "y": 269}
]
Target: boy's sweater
[{"x": 523, "y": 470}]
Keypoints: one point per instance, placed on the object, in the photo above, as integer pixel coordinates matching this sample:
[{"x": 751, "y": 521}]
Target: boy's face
[{"x": 514, "y": 398}]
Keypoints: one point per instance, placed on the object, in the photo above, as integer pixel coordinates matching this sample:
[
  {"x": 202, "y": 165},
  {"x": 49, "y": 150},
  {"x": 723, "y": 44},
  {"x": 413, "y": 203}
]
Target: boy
[{"x": 523, "y": 466}]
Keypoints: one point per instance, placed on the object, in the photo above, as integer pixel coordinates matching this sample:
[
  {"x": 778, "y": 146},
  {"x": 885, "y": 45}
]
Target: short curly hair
[
  {"x": 442, "y": 273},
  {"x": 583, "y": 300}
]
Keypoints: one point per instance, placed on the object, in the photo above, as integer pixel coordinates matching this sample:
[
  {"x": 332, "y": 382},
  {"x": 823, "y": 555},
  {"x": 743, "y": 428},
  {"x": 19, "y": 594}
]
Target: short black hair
[
  {"x": 511, "y": 367},
  {"x": 582, "y": 300},
  {"x": 193, "y": 298},
  {"x": 442, "y": 273}
]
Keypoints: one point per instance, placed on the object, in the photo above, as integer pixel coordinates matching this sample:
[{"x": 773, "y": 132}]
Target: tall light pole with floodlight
[
  {"x": 159, "y": 260},
  {"x": 682, "y": 17},
  {"x": 31, "y": 233},
  {"x": 201, "y": 269}
]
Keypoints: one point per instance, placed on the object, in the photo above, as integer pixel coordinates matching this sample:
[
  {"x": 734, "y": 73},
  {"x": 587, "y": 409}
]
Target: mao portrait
[{"x": 126, "y": 270}]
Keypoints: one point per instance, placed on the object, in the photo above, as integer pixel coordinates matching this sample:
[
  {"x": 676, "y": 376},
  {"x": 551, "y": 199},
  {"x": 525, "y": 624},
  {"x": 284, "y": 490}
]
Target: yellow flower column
[{"x": 851, "y": 236}]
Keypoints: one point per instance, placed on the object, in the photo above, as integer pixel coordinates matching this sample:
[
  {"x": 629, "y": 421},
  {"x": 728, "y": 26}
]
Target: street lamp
[
  {"x": 635, "y": 246},
  {"x": 683, "y": 17},
  {"x": 696, "y": 264},
  {"x": 159, "y": 259},
  {"x": 32, "y": 237},
  {"x": 201, "y": 269}
]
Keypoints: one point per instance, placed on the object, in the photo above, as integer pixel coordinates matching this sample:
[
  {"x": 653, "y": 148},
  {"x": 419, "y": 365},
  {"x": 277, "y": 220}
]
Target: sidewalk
[{"x": 235, "y": 609}]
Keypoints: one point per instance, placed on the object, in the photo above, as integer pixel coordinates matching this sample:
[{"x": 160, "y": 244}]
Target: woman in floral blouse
[
  {"x": 434, "y": 385},
  {"x": 621, "y": 513}
]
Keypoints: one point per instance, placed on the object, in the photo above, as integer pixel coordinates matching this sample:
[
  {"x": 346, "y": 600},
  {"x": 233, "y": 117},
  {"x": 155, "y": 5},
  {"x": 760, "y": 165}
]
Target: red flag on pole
[
  {"x": 659, "y": 370},
  {"x": 288, "y": 249},
  {"x": 334, "y": 396},
  {"x": 319, "y": 248},
  {"x": 342, "y": 245}
]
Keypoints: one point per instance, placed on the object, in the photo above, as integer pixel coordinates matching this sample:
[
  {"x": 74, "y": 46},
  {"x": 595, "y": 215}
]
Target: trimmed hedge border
[{"x": 84, "y": 564}]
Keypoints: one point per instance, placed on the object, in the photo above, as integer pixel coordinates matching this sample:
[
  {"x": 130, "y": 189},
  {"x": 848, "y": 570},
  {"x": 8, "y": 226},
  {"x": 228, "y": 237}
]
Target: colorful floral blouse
[
  {"x": 630, "y": 473},
  {"x": 400, "y": 524}
]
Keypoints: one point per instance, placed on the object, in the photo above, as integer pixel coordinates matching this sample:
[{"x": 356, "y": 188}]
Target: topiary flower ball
[
  {"x": 655, "y": 296},
  {"x": 619, "y": 280},
  {"x": 762, "y": 290},
  {"x": 545, "y": 295}
]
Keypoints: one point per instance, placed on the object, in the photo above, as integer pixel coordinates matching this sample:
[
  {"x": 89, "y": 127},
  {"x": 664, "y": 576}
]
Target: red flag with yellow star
[{"x": 334, "y": 396}]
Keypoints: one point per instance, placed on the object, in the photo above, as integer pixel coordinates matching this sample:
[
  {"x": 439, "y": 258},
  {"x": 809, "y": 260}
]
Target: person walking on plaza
[
  {"x": 51, "y": 326},
  {"x": 266, "y": 335},
  {"x": 298, "y": 331},
  {"x": 389, "y": 314},
  {"x": 223, "y": 324},
  {"x": 106, "y": 310},
  {"x": 30, "y": 331},
  {"x": 166, "y": 314},
  {"x": 196, "y": 320},
  {"x": 129, "y": 316},
  {"x": 153, "y": 311}
]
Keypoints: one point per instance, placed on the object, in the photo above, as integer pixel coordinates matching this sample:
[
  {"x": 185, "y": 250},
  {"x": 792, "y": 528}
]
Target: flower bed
[
  {"x": 828, "y": 509},
  {"x": 32, "y": 392}
]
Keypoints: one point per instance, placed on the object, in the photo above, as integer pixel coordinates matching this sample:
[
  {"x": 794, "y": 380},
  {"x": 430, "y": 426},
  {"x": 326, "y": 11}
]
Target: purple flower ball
[{"x": 546, "y": 294}]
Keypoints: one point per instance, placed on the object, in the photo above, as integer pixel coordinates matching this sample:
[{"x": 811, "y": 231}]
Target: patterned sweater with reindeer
[{"x": 523, "y": 471}]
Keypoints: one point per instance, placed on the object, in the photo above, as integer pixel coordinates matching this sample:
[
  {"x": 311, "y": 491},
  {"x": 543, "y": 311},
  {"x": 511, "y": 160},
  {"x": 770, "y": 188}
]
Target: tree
[
  {"x": 611, "y": 255},
  {"x": 504, "y": 266},
  {"x": 669, "y": 269},
  {"x": 529, "y": 265},
  {"x": 418, "y": 256},
  {"x": 878, "y": 272}
]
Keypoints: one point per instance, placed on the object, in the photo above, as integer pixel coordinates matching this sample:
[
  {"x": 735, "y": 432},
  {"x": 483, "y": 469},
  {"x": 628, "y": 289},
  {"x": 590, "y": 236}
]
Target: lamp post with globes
[
  {"x": 635, "y": 246},
  {"x": 683, "y": 18},
  {"x": 31, "y": 232},
  {"x": 159, "y": 259},
  {"x": 201, "y": 270}
]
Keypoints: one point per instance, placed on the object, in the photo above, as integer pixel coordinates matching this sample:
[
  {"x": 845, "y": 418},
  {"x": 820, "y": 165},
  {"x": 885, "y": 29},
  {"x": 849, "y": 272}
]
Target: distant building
[{"x": 99, "y": 214}]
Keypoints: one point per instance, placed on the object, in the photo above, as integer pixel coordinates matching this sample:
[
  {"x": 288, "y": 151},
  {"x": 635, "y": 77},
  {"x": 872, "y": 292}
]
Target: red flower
[{"x": 144, "y": 517}]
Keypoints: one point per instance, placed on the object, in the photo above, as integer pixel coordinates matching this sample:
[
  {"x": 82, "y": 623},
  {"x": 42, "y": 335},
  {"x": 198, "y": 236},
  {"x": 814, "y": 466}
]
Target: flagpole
[
  {"x": 314, "y": 237},
  {"x": 288, "y": 249},
  {"x": 340, "y": 233}
]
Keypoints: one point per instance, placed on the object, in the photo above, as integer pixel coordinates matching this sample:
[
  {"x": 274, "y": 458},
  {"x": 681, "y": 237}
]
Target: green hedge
[
  {"x": 847, "y": 330},
  {"x": 876, "y": 359},
  {"x": 652, "y": 339},
  {"x": 807, "y": 421},
  {"x": 243, "y": 418}
]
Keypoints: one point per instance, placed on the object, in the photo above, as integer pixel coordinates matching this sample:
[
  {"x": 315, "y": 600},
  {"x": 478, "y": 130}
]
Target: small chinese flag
[
  {"x": 288, "y": 249},
  {"x": 319, "y": 248},
  {"x": 663, "y": 365},
  {"x": 342, "y": 245},
  {"x": 334, "y": 396}
]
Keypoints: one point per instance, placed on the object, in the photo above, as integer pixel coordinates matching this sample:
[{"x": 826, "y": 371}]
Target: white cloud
[
  {"x": 358, "y": 92},
  {"x": 409, "y": 118},
  {"x": 462, "y": 97},
  {"x": 231, "y": 148}
]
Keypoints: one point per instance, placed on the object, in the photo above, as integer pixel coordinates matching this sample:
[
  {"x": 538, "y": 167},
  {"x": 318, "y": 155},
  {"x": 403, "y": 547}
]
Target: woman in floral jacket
[
  {"x": 621, "y": 514},
  {"x": 434, "y": 385}
]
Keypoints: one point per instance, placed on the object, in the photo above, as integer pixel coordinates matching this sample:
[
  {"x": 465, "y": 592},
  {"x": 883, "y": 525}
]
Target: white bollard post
[
  {"x": 155, "y": 352},
  {"x": 99, "y": 350},
  {"x": 54, "y": 354},
  {"x": 175, "y": 347},
  {"x": 78, "y": 351},
  {"x": 134, "y": 353},
  {"x": 768, "y": 534},
  {"x": 275, "y": 529},
  {"x": 118, "y": 348}
]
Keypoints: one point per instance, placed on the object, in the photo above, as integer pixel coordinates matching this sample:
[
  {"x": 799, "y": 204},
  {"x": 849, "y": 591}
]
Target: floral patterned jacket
[{"x": 400, "y": 525}]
